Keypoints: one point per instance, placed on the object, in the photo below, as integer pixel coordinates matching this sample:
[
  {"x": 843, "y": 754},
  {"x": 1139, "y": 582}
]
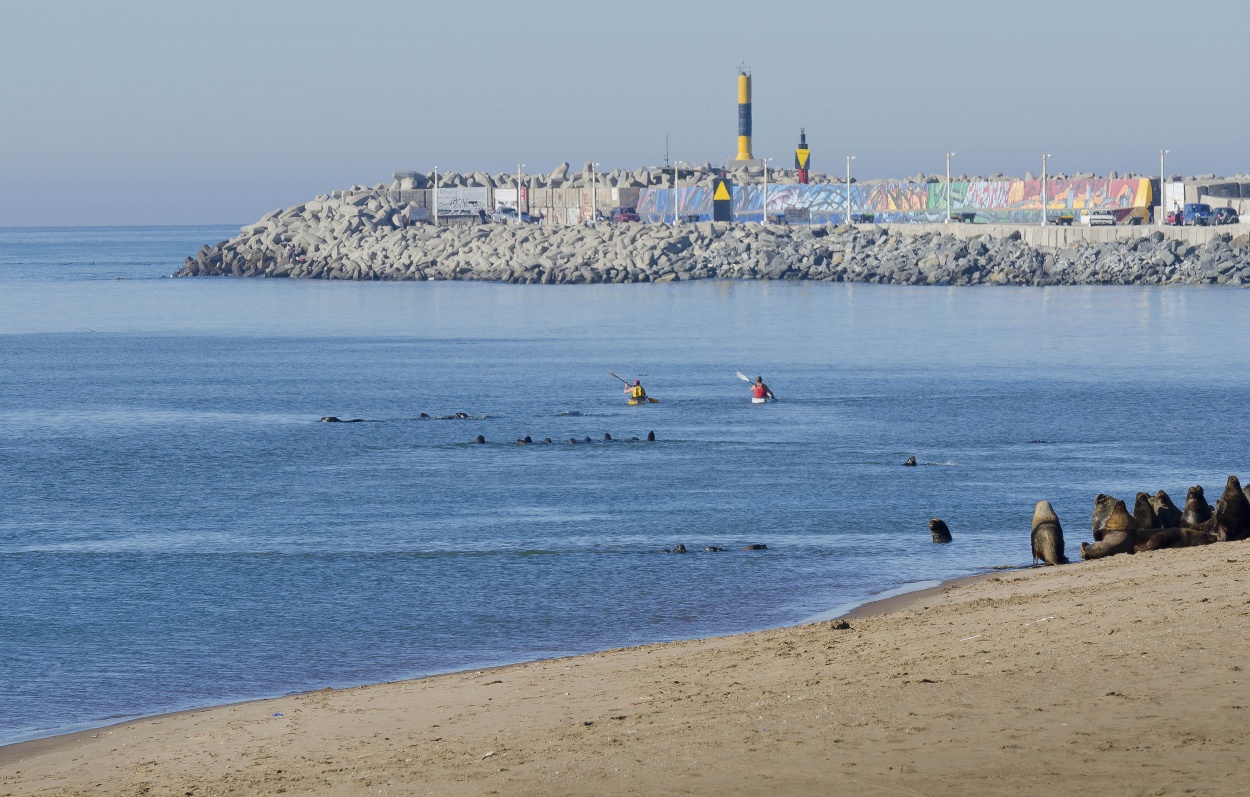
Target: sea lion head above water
[
  {"x": 939, "y": 530},
  {"x": 1046, "y": 538}
]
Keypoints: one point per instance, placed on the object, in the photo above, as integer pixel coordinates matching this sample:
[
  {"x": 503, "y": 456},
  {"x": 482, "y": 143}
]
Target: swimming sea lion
[
  {"x": 331, "y": 419},
  {"x": 480, "y": 440},
  {"x": 546, "y": 441},
  {"x": 1232, "y": 513},
  {"x": 1197, "y": 510},
  {"x": 713, "y": 549},
  {"x": 1047, "y": 536},
  {"x": 607, "y": 438},
  {"x": 426, "y": 417},
  {"x": 650, "y": 437},
  {"x": 588, "y": 440},
  {"x": 1144, "y": 516},
  {"x": 680, "y": 548},
  {"x": 939, "y": 530},
  {"x": 1117, "y": 536},
  {"x": 758, "y": 546},
  {"x": 524, "y": 441},
  {"x": 1103, "y": 504},
  {"x": 910, "y": 463},
  {"x": 572, "y": 441},
  {"x": 1167, "y": 513}
]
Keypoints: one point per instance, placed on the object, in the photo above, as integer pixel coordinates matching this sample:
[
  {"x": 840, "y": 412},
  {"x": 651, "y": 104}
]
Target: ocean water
[{"x": 178, "y": 529}]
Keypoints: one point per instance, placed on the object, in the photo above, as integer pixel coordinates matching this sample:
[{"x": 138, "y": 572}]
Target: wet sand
[{"x": 1117, "y": 677}]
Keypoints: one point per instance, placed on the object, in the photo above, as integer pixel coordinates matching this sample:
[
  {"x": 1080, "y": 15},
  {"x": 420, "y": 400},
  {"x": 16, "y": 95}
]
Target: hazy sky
[{"x": 204, "y": 112}]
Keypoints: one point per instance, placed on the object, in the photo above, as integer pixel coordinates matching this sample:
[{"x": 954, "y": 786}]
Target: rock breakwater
[{"x": 366, "y": 237}]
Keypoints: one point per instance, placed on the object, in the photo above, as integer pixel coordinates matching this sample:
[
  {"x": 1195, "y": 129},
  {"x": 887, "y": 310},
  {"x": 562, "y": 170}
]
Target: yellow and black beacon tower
[
  {"x": 803, "y": 157},
  {"x": 744, "y": 115}
]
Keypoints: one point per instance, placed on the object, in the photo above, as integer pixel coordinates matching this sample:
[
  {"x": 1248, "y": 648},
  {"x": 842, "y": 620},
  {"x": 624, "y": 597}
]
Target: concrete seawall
[{"x": 1057, "y": 237}]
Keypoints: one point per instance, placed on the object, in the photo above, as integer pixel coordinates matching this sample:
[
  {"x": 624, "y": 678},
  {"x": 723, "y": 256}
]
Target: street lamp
[
  {"x": 435, "y": 196},
  {"x": 1162, "y": 179},
  {"x": 594, "y": 200},
  {"x": 519, "y": 167},
  {"x": 849, "y": 158},
  {"x": 1045, "y": 157},
  {"x": 676, "y": 205},
  {"x": 949, "y": 155},
  {"x": 766, "y": 160}
]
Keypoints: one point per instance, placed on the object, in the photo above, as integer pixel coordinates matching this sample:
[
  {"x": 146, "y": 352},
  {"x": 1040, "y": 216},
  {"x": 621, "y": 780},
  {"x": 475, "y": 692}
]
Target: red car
[{"x": 624, "y": 214}]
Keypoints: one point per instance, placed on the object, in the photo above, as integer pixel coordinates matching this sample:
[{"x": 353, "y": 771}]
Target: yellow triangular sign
[
  {"x": 722, "y": 192},
  {"x": 801, "y": 156}
]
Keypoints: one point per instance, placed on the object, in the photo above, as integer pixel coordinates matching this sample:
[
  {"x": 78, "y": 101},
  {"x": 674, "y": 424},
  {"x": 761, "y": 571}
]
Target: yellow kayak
[{"x": 647, "y": 400}]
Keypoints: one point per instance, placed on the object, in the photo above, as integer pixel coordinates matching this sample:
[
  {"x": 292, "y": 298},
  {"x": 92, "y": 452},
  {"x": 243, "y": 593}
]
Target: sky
[{"x": 171, "y": 112}]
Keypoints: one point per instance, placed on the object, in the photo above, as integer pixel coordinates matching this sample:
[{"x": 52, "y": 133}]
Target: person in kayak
[
  {"x": 636, "y": 391},
  {"x": 760, "y": 390}
]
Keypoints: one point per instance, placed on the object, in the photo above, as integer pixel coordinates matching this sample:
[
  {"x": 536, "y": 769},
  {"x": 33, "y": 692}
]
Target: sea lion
[
  {"x": 1144, "y": 516},
  {"x": 424, "y": 416},
  {"x": 1117, "y": 536},
  {"x": 1232, "y": 513},
  {"x": 607, "y": 438},
  {"x": 524, "y": 441},
  {"x": 1047, "y": 535},
  {"x": 331, "y": 419},
  {"x": 679, "y": 548},
  {"x": 650, "y": 437},
  {"x": 572, "y": 441},
  {"x": 588, "y": 440},
  {"x": 939, "y": 530},
  {"x": 480, "y": 440},
  {"x": 1155, "y": 539},
  {"x": 910, "y": 463},
  {"x": 546, "y": 441},
  {"x": 1167, "y": 513},
  {"x": 1103, "y": 504},
  {"x": 1197, "y": 510},
  {"x": 713, "y": 549},
  {"x": 758, "y": 546}
]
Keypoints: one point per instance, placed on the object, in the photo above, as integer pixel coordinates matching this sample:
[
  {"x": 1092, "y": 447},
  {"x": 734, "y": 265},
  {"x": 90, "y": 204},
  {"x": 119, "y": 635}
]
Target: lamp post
[
  {"x": 1162, "y": 179},
  {"x": 1045, "y": 157},
  {"x": 435, "y": 196},
  {"x": 594, "y": 200},
  {"x": 849, "y": 158},
  {"x": 676, "y": 205},
  {"x": 949, "y": 155},
  {"x": 766, "y": 160},
  {"x": 519, "y": 167}
]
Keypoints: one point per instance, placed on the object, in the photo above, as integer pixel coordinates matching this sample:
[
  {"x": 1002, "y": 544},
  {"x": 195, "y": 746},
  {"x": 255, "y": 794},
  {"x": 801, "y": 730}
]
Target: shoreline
[
  {"x": 1116, "y": 676},
  {"x": 897, "y": 598}
]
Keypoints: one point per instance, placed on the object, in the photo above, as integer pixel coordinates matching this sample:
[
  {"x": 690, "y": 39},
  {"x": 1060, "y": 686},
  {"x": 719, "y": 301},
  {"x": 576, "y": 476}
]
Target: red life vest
[{"x": 758, "y": 390}]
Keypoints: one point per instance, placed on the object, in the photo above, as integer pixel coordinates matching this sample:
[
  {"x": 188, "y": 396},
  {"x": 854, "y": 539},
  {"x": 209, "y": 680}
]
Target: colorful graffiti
[{"x": 1017, "y": 201}]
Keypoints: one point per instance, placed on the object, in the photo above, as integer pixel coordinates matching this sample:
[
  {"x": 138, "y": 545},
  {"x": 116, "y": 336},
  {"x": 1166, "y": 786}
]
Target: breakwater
[{"x": 366, "y": 237}]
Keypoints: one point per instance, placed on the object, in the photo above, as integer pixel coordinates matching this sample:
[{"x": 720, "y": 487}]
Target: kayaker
[
  {"x": 636, "y": 392},
  {"x": 760, "y": 390}
]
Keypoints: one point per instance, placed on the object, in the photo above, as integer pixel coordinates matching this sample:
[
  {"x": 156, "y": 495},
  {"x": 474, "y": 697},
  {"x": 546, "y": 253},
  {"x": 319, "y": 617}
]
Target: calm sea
[{"x": 178, "y": 529}]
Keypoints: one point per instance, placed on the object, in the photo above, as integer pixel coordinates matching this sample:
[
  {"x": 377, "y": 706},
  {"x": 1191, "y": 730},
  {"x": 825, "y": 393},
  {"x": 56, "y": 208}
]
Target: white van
[{"x": 1099, "y": 218}]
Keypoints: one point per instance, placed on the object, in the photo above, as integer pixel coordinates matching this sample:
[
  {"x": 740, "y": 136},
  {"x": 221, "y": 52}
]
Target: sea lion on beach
[
  {"x": 1103, "y": 504},
  {"x": 1197, "y": 510},
  {"x": 1232, "y": 513},
  {"x": 939, "y": 530},
  {"x": 1117, "y": 537},
  {"x": 1047, "y": 535},
  {"x": 1144, "y": 516},
  {"x": 1168, "y": 515},
  {"x": 910, "y": 463}
]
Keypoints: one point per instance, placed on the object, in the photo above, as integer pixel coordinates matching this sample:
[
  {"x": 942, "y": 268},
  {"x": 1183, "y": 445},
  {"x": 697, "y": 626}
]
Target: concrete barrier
[{"x": 1057, "y": 237}]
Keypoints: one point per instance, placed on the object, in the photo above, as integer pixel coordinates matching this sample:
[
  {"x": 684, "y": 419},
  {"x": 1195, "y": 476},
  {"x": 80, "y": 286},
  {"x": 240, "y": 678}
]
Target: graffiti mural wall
[{"x": 1018, "y": 201}]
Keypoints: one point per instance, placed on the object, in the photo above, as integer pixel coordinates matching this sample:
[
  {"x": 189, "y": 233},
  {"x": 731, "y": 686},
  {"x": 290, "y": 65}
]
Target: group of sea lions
[
  {"x": 1154, "y": 524},
  {"x": 607, "y": 438}
]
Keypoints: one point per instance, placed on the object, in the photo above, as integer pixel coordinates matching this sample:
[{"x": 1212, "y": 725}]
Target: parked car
[
  {"x": 1099, "y": 218},
  {"x": 1175, "y": 217},
  {"x": 1064, "y": 219},
  {"x": 506, "y": 215},
  {"x": 1224, "y": 216},
  {"x": 1197, "y": 214},
  {"x": 623, "y": 214}
]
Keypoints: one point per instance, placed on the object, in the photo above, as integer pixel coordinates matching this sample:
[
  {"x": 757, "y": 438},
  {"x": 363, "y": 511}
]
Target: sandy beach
[{"x": 1120, "y": 676}]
